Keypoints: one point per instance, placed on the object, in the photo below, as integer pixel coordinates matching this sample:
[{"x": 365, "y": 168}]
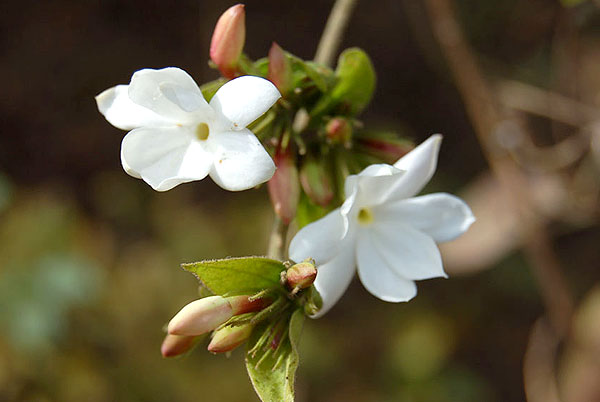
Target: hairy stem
[{"x": 277, "y": 240}]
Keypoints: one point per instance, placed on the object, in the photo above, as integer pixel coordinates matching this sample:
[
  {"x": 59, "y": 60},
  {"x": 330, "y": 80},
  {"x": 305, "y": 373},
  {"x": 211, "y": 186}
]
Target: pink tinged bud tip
[
  {"x": 229, "y": 338},
  {"x": 284, "y": 187},
  {"x": 302, "y": 275},
  {"x": 228, "y": 40},
  {"x": 280, "y": 69},
  {"x": 174, "y": 345}
]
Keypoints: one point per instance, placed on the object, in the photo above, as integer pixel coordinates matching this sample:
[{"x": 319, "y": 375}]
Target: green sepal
[
  {"x": 210, "y": 88},
  {"x": 354, "y": 87},
  {"x": 273, "y": 375},
  {"x": 308, "y": 212},
  {"x": 236, "y": 276},
  {"x": 262, "y": 66}
]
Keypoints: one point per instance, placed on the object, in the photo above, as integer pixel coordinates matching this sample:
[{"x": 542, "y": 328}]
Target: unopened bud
[
  {"x": 201, "y": 316},
  {"x": 280, "y": 69},
  {"x": 301, "y": 275},
  {"x": 174, "y": 345},
  {"x": 204, "y": 315},
  {"x": 228, "y": 40},
  {"x": 339, "y": 131},
  {"x": 316, "y": 182},
  {"x": 229, "y": 338},
  {"x": 284, "y": 187}
]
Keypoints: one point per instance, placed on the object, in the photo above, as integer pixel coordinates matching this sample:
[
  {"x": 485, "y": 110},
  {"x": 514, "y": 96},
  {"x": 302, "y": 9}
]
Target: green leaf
[
  {"x": 276, "y": 383},
  {"x": 233, "y": 276},
  {"x": 354, "y": 87}
]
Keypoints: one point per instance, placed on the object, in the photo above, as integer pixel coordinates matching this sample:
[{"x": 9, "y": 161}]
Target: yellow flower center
[
  {"x": 365, "y": 216},
  {"x": 202, "y": 131}
]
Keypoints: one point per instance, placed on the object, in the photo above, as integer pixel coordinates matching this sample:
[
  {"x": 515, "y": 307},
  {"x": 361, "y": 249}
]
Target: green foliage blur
[{"x": 89, "y": 257}]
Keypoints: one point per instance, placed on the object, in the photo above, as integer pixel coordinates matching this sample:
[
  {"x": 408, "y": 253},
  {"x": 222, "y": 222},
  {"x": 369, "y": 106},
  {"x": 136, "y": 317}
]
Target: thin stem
[
  {"x": 328, "y": 45},
  {"x": 277, "y": 240},
  {"x": 334, "y": 29}
]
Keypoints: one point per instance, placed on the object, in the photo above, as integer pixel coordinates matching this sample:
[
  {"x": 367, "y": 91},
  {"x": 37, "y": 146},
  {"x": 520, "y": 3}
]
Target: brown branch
[{"x": 488, "y": 119}]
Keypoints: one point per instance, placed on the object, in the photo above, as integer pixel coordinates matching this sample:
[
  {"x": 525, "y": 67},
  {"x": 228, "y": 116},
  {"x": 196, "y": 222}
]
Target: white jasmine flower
[
  {"x": 384, "y": 231},
  {"x": 177, "y": 137}
]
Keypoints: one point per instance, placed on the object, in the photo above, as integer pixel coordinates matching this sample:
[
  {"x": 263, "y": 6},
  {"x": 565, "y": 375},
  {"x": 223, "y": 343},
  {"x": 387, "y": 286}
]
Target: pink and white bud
[
  {"x": 204, "y": 315},
  {"x": 339, "y": 131},
  {"x": 301, "y": 275},
  {"x": 201, "y": 316},
  {"x": 174, "y": 345},
  {"x": 228, "y": 40},
  {"x": 229, "y": 338},
  {"x": 284, "y": 187},
  {"x": 280, "y": 69}
]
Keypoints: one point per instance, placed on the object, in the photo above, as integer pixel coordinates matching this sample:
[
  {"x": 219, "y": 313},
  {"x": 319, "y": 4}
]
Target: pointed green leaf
[
  {"x": 272, "y": 382},
  {"x": 233, "y": 276}
]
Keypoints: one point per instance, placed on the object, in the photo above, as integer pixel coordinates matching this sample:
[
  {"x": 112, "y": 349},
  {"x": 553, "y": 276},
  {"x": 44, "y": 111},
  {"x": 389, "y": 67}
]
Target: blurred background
[{"x": 89, "y": 257}]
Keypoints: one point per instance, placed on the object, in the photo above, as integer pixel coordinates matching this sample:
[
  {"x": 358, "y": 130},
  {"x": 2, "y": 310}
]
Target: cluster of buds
[
  {"x": 232, "y": 319},
  {"x": 211, "y": 314},
  {"x": 328, "y": 100}
]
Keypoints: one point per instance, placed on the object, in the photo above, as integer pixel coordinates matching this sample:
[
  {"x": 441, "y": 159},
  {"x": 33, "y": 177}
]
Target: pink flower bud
[
  {"x": 229, "y": 338},
  {"x": 316, "y": 182},
  {"x": 280, "y": 69},
  {"x": 228, "y": 40},
  {"x": 301, "y": 275},
  {"x": 204, "y": 315},
  {"x": 339, "y": 131},
  {"x": 174, "y": 345},
  {"x": 201, "y": 316},
  {"x": 284, "y": 187}
]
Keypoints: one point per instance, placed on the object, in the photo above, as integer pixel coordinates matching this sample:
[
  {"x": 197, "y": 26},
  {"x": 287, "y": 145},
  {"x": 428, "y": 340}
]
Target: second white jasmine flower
[
  {"x": 383, "y": 231},
  {"x": 177, "y": 137}
]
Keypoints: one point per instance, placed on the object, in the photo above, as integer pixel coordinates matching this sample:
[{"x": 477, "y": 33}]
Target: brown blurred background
[{"x": 89, "y": 256}]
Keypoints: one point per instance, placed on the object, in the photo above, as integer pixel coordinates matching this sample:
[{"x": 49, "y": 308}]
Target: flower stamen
[
  {"x": 365, "y": 216},
  {"x": 202, "y": 131}
]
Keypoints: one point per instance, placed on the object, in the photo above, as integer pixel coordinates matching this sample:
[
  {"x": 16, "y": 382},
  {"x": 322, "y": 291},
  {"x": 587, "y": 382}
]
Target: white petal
[
  {"x": 373, "y": 184},
  {"x": 240, "y": 161},
  {"x": 244, "y": 99},
  {"x": 442, "y": 216},
  {"x": 165, "y": 157},
  {"x": 334, "y": 277},
  {"x": 377, "y": 276},
  {"x": 408, "y": 252},
  {"x": 121, "y": 112},
  {"x": 128, "y": 168},
  {"x": 420, "y": 165},
  {"x": 319, "y": 240},
  {"x": 169, "y": 92}
]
